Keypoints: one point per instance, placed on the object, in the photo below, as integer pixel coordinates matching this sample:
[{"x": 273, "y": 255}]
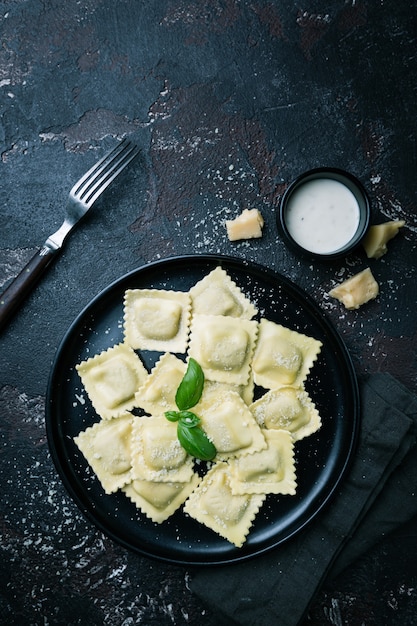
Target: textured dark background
[{"x": 229, "y": 101}]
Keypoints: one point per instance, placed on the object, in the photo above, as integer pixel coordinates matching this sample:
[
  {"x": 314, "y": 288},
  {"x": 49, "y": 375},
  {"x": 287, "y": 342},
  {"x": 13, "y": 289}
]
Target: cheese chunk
[
  {"x": 356, "y": 290},
  {"x": 375, "y": 242},
  {"x": 248, "y": 225}
]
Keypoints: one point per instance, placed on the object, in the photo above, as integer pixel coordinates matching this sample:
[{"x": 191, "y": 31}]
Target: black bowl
[{"x": 313, "y": 240}]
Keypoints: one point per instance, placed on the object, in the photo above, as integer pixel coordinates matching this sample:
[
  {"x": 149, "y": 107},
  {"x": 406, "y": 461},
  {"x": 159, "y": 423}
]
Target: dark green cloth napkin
[{"x": 377, "y": 495}]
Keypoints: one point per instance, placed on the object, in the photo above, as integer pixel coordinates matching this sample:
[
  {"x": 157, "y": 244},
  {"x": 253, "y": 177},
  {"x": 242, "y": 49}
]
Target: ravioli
[
  {"x": 111, "y": 380},
  {"x": 160, "y": 500},
  {"x": 223, "y": 346},
  {"x": 106, "y": 447},
  {"x": 287, "y": 408},
  {"x": 230, "y": 425},
  {"x": 213, "y": 390},
  {"x": 157, "y": 455},
  {"x": 214, "y": 505},
  {"x": 268, "y": 471},
  {"x": 218, "y": 294},
  {"x": 155, "y": 319},
  {"x": 157, "y": 394},
  {"x": 282, "y": 356}
]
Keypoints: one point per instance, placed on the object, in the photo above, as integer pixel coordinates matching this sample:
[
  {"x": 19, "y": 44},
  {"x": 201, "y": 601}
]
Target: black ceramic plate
[{"x": 321, "y": 458}]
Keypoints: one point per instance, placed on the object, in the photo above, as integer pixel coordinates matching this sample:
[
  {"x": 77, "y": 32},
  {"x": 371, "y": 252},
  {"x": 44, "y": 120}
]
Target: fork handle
[{"x": 22, "y": 285}]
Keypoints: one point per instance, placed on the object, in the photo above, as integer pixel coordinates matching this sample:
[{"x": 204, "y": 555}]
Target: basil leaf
[
  {"x": 172, "y": 416},
  {"x": 195, "y": 442},
  {"x": 192, "y": 438},
  {"x": 191, "y": 387},
  {"x": 188, "y": 419}
]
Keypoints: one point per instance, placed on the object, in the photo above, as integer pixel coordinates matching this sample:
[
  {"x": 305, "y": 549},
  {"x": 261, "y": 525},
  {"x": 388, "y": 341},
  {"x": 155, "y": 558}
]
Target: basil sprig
[
  {"x": 191, "y": 387},
  {"x": 189, "y": 432}
]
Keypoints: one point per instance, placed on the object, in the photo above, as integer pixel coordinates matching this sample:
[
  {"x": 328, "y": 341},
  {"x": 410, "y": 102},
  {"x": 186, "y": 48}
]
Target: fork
[{"x": 81, "y": 198}]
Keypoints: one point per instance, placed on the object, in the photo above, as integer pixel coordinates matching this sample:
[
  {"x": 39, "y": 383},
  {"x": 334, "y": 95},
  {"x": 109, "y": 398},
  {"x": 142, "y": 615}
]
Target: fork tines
[{"x": 99, "y": 177}]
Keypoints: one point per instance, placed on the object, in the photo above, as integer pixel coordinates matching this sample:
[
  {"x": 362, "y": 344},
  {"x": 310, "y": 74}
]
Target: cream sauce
[{"x": 322, "y": 215}]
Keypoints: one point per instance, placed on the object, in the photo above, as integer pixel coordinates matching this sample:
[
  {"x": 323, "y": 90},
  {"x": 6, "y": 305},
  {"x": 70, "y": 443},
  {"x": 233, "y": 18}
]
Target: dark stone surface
[{"x": 229, "y": 101}]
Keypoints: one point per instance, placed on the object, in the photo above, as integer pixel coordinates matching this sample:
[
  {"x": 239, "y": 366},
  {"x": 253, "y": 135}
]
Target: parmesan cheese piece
[
  {"x": 375, "y": 242},
  {"x": 248, "y": 225},
  {"x": 356, "y": 290}
]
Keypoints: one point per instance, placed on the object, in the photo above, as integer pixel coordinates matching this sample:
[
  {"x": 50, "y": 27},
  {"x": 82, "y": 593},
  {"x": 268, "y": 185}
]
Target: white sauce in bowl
[{"x": 322, "y": 215}]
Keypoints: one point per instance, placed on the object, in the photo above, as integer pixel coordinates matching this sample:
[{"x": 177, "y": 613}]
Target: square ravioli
[
  {"x": 287, "y": 408},
  {"x": 111, "y": 380},
  {"x": 282, "y": 356},
  {"x": 269, "y": 471},
  {"x": 213, "y": 389},
  {"x": 156, "y": 319},
  {"x": 218, "y": 294},
  {"x": 157, "y": 454},
  {"x": 214, "y": 505},
  {"x": 229, "y": 424},
  {"x": 157, "y": 394},
  {"x": 157, "y": 500},
  {"x": 106, "y": 447},
  {"x": 223, "y": 346}
]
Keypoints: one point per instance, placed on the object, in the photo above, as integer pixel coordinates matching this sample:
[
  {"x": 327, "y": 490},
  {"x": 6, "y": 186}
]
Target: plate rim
[{"x": 240, "y": 263}]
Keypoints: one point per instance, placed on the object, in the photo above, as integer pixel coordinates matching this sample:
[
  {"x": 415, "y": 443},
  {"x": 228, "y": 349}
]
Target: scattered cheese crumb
[
  {"x": 248, "y": 225},
  {"x": 375, "y": 242},
  {"x": 356, "y": 290}
]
